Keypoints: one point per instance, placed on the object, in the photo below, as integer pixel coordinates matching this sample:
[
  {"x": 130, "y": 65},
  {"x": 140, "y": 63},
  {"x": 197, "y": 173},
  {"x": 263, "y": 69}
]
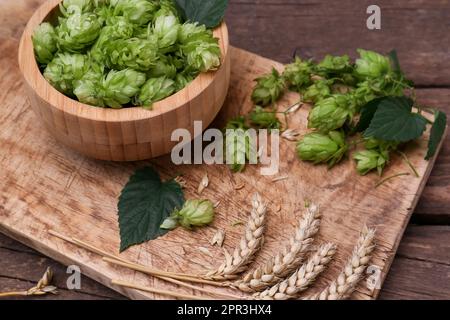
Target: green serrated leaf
[
  {"x": 437, "y": 131},
  {"x": 395, "y": 62},
  {"x": 367, "y": 113},
  {"x": 394, "y": 121},
  {"x": 144, "y": 204},
  {"x": 207, "y": 12}
]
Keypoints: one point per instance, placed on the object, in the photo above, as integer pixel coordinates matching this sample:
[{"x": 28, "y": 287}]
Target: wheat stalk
[
  {"x": 301, "y": 279},
  {"x": 286, "y": 262},
  {"x": 345, "y": 284},
  {"x": 250, "y": 243},
  {"x": 42, "y": 287}
]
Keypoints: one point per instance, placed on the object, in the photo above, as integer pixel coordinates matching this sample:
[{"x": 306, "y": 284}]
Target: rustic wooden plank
[
  {"x": 434, "y": 206},
  {"x": 21, "y": 268},
  {"x": 421, "y": 269},
  {"x": 18, "y": 21},
  {"x": 9, "y": 285},
  {"x": 276, "y": 29},
  {"x": 61, "y": 178}
]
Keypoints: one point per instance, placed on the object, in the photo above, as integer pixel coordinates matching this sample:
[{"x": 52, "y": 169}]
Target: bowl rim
[{"x": 33, "y": 76}]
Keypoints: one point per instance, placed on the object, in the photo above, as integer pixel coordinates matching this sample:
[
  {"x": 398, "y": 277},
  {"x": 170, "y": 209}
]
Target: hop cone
[
  {"x": 368, "y": 160},
  {"x": 155, "y": 89},
  {"x": 330, "y": 113},
  {"x": 44, "y": 42},
  {"x": 371, "y": 65},
  {"x": 298, "y": 73},
  {"x": 78, "y": 31},
  {"x": 268, "y": 89},
  {"x": 322, "y": 148},
  {"x": 318, "y": 91},
  {"x": 334, "y": 65},
  {"x": 134, "y": 53}
]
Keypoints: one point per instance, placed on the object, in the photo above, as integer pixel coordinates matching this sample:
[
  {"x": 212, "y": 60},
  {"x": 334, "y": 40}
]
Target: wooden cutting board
[{"x": 47, "y": 186}]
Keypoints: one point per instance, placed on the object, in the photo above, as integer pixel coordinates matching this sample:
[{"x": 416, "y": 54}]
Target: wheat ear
[
  {"x": 286, "y": 262},
  {"x": 250, "y": 243},
  {"x": 301, "y": 279},
  {"x": 345, "y": 284}
]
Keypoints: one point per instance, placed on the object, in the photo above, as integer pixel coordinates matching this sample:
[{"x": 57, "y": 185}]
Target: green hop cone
[
  {"x": 166, "y": 29},
  {"x": 65, "y": 69},
  {"x": 322, "y": 148},
  {"x": 155, "y": 89},
  {"x": 120, "y": 86},
  {"x": 88, "y": 89},
  {"x": 319, "y": 90},
  {"x": 167, "y": 8},
  {"x": 78, "y": 31},
  {"x": 114, "y": 90},
  {"x": 182, "y": 80},
  {"x": 139, "y": 12},
  {"x": 189, "y": 31},
  {"x": 298, "y": 74},
  {"x": 363, "y": 94},
  {"x": 44, "y": 43},
  {"x": 237, "y": 144},
  {"x": 334, "y": 65},
  {"x": 117, "y": 28},
  {"x": 368, "y": 160},
  {"x": 201, "y": 49},
  {"x": 264, "y": 119},
  {"x": 371, "y": 65},
  {"x": 68, "y": 7},
  {"x": 330, "y": 113},
  {"x": 372, "y": 143},
  {"x": 268, "y": 88},
  {"x": 134, "y": 53},
  {"x": 195, "y": 213},
  {"x": 165, "y": 66}
]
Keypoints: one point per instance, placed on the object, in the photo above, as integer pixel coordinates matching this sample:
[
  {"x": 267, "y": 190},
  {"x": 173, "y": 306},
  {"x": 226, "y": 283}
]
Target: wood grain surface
[{"x": 418, "y": 250}]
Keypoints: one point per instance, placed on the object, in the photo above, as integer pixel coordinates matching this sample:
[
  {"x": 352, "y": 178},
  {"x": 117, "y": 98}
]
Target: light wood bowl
[{"x": 127, "y": 134}]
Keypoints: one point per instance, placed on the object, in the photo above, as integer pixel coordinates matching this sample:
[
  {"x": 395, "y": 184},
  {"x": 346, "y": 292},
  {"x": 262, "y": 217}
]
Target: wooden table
[{"x": 418, "y": 29}]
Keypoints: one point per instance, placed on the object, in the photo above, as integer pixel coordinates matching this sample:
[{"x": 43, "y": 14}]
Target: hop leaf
[
  {"x": 368, "y": 160},
  {"x": 372, "y": 65},
  {"x": 155, "y": 89},
  {"x": 298, "y": 74},
  {"x": 65, "y": 69},
  {"x": 44, "y": 43},
  {"x": 264, "y": 119},
  {"x": 330, "y": 113},
  {"x": 322, "y": 148},
  {"x": 268, "y": 88},
  {"x": 78, "y": 31}
]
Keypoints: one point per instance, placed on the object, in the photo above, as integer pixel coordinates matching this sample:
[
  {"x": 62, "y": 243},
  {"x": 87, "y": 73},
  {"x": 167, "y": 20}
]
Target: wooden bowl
[{"x": 127, "y": 134}]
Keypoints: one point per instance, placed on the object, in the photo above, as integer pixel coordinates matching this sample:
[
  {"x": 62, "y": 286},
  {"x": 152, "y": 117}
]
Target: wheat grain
[
  {"x": 284, "y": 263},
  {"x": 301, "y": 279},
  {"x": 250, "y": 243},
  {"x": 203, "y": 184},
  {"x": 345, "y": 284}
]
